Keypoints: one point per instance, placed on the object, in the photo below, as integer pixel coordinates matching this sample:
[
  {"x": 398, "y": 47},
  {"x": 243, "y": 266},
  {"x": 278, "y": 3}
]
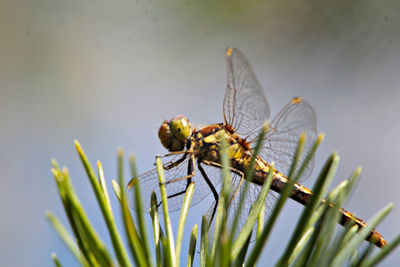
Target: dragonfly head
[{"x": 174, "y": 133}]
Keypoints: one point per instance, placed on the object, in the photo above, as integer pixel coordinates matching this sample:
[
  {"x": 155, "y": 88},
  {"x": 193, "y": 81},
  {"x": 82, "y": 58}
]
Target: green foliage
[{"x": 314, "y": 241}]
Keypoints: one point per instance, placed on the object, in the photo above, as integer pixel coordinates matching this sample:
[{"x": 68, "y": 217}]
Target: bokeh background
[{"x": 108, "y": 72}]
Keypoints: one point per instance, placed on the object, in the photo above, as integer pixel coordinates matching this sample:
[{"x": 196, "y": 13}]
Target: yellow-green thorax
[{"x": 208, "y": 141}]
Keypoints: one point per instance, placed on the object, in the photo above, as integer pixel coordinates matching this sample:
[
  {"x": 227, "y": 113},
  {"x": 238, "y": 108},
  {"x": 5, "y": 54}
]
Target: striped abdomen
[{"x": 303, "y": 195}]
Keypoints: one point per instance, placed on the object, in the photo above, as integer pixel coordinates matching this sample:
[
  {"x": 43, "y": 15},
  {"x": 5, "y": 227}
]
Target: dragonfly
[{"x": 194, "y": 153}]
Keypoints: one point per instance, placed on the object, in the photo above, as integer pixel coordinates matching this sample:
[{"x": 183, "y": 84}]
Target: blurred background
[{"x": 107, "y": 73}]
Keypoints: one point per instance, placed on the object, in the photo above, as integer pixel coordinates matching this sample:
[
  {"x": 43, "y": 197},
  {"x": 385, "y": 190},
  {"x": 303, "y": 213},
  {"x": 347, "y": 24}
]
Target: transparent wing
[
  {"x": 249, "y": 198},
  {"x": 282, "y": 137},
  {"x": 245, "y": 106},
  {"x": 148, "y": 182}
]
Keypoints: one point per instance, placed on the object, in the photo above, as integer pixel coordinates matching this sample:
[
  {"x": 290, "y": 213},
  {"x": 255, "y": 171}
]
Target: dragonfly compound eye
[
  {"x": 168, "y": 139},
  {"x": 181, "y": 127},
  {"x": 165, "y": 134}
]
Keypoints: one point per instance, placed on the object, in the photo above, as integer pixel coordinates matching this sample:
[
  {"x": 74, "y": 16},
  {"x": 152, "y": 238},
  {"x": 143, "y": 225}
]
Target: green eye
[{"x": 181, "y": 127}]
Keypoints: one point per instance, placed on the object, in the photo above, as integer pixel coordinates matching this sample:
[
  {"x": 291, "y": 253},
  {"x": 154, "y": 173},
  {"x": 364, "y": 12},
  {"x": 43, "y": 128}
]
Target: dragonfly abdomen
[
  {"x": 300, "y": 193},
  {"x": 374, "y": 237},
  {"x": 303, "y": 195}
]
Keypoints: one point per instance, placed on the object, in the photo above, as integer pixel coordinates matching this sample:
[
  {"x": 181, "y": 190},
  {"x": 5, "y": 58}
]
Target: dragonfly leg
[
  {"x": 171, "y": 164},
  {"x": 191, "y": 173},
  {"x": 213, "y": 190},
  {"x": 175, "y": 153},
  {"x": 214, "y": 164},
  {"x": 237, "y": 189},
  {"x": 189, "y": 180},
  {"x": 236, "y": 171},
  {"x": 189, "y": 176}
]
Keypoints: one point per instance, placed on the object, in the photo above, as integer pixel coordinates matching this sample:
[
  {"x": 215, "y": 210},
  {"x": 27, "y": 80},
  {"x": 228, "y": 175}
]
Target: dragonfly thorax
[
  {"x": 174, "y": 134},
  {"x": 208, "y": 142}
]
